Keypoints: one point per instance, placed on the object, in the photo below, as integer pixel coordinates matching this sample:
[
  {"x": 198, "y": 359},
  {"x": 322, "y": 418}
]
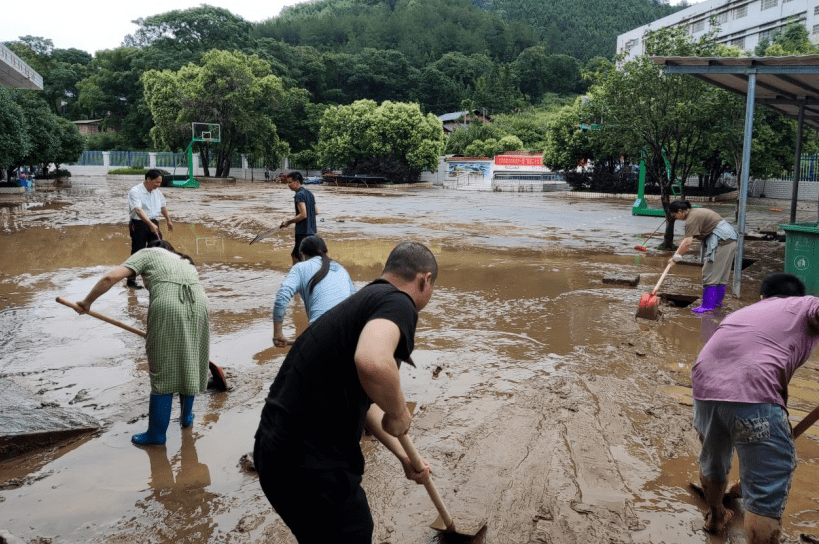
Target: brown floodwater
[{"x": 543, "y": 405}]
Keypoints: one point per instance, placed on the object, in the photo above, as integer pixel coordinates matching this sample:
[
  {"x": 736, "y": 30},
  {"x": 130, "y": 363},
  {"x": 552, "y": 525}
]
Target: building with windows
[{"x": 742, "y": 23}]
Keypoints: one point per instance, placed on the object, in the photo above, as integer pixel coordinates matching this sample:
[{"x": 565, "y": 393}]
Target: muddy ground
[{"x": 543, "y": 405}]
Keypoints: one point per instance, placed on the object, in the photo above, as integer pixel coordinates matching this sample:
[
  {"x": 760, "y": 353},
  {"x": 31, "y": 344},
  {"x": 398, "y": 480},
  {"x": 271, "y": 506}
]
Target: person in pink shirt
[{"x": 740, "y": 389}]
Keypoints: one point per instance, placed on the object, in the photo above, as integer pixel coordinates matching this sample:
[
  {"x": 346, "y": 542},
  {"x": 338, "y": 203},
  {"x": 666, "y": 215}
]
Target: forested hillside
[
  {"x": 424, "y": 30},
  {"x": 583, "y": 28}
]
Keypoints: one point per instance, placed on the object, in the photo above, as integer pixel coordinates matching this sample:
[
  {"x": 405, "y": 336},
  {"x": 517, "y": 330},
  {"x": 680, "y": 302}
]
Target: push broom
[{"x": 642, "y": 247}]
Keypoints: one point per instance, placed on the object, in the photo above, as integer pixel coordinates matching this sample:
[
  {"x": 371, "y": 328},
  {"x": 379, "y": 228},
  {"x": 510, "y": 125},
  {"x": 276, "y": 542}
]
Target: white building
[
  {"x": 742, "y": 23},
  {"x": 17, "y": 74}
]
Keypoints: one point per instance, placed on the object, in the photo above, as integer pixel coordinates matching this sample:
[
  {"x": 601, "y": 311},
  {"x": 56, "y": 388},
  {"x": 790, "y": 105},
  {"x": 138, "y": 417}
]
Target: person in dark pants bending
[
  {"x": 145, "y": 204},
  {"x": 306, "y": 212},
  {"x": 341, "y": 375}
]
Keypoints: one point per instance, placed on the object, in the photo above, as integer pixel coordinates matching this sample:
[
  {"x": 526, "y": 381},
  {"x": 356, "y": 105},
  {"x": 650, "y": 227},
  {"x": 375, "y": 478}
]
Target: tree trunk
[
  {"x": 203, "y": 158},
  {"x": 668, "y": 238}
]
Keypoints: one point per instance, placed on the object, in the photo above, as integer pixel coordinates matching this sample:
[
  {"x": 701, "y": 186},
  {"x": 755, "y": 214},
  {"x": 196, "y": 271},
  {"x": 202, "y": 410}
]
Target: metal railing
[
  {"x": 136, "y": 159},
  {"x": 171, "y": 160},
  {"x": 89, "y": 158}
]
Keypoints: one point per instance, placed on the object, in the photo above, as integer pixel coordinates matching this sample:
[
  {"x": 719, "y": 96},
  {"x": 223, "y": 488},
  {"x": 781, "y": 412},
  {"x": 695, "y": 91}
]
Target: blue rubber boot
[
  {"x": 709, "y": 299},
  {"x": 186, "y": 402},
  {"x": 720, "y": 295},
  {"x": 159, "y": 416}
]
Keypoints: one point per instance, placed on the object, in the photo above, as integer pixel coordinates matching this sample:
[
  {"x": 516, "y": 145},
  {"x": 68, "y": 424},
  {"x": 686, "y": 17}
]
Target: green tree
[
  {"x": 567, "y": 145},
  {"x": 642, "y": 111},
  {"x": 232, "y": 89},
  {"x": 793, "y": 40},
  {"x": 42, "y": 127},
  {"x": 72, "y": 144},
  {"x": 172, "y": 39},
  {"x": 380, "y": 75},
  {"x": 539, "y": 72},
  {"x": 492, "y": 147},
  {"x": 437, "y": 92},
  {"x": 35, "y": 136},
  {"x": 112, "y": 92},
  {"x": 15, "y": 143},
  {"x": 396, "y": 132}
]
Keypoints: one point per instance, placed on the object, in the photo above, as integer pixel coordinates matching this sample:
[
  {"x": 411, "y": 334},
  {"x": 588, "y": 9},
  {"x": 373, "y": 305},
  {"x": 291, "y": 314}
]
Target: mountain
[{"x": 425, "y": 30}]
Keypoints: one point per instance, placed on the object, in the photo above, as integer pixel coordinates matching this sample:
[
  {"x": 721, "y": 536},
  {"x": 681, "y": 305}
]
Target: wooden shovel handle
[
  {"x": 803, "y": 425},
  {"x": 418, "y": 465},
  {"x": 110, "y": 320},
  {"x": 665, "y": 272},
  {"x": 215, "y": 370}
]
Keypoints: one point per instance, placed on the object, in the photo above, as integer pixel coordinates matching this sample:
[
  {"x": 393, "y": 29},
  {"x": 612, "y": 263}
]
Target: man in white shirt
[{"x": 145, "y": 204}]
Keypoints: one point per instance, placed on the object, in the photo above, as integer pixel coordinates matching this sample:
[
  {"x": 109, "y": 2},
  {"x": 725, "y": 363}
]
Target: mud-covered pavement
[{"x": 543, "y": 405}]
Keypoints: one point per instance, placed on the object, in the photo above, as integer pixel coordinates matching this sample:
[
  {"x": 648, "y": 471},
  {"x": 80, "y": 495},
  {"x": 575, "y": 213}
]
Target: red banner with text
[{"x": 518, "y": 160}]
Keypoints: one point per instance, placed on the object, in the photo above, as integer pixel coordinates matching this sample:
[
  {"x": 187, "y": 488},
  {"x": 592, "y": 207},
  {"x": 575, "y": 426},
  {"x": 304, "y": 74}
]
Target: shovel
[
  {"x": 444, "y": 521},
  {"x": 649, "y": 307},
  {"x": 219, "y": 380}
]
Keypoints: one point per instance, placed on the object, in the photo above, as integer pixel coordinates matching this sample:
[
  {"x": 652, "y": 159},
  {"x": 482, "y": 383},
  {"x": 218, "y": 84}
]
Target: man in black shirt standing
[{"x": 340, "y": 376}]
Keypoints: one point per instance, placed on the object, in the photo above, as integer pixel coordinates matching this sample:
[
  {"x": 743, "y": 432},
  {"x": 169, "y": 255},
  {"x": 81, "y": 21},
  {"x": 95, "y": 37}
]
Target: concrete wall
[{"x": 783, "y": 188}]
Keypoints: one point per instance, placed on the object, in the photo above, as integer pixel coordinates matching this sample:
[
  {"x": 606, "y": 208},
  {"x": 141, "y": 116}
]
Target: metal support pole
[
  {"x": 797, "y": 162},
  {"x": 743, "y": 187}
]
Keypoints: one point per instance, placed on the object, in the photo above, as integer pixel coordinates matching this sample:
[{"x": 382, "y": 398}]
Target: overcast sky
[{"x": 92, "y": 25}]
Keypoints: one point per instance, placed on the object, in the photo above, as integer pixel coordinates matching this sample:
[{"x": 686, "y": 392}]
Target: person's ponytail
[{"x": 313, "y": 246}]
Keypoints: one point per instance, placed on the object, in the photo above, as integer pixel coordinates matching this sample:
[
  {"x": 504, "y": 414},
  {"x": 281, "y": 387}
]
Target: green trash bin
[{"x": 802, "y": 254}]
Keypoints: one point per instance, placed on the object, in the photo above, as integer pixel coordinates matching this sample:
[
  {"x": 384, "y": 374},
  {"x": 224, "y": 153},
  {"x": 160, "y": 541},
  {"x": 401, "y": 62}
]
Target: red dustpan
[{"x": 649, "y": 307}]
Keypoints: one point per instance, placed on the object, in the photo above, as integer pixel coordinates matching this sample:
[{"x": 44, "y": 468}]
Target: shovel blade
[
  {"x": 463, "y": 526},
  {"x": 649, "y": 307},
  {"x": 219, "y": 380}
]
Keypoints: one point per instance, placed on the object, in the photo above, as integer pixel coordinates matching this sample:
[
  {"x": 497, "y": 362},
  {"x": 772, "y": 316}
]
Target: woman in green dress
[{"x": 178, "y": 335}]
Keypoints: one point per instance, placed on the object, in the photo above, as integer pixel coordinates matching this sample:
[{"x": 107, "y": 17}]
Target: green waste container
[{"x": 802, "y": 254}]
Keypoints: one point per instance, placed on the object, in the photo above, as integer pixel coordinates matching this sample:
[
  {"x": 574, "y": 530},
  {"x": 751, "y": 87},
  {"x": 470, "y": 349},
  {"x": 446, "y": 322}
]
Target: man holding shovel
[
  {"x": 342, "y": 375},
  {"x": 306, "y": 211},
  {"x": 740, "y": 389}
]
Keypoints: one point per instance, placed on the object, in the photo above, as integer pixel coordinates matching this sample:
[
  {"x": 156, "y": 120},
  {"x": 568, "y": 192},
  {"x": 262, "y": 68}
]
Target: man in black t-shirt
[{"x": 340, "y": 376}]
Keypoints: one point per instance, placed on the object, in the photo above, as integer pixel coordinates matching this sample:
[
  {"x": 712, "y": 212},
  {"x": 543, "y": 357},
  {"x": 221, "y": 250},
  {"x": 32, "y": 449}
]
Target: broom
[{"x": 642, "y": 247}]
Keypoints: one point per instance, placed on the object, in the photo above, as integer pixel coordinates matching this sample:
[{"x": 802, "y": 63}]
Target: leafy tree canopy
[
  {"x": 362, "y": 130},
  {"x": 32, "y": 135},
  {"x": 15, "y": 143},
  {"x": 232, "y": 89}
]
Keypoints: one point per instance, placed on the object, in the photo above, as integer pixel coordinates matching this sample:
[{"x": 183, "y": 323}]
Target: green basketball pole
[{"x": 190, "y": 183}]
